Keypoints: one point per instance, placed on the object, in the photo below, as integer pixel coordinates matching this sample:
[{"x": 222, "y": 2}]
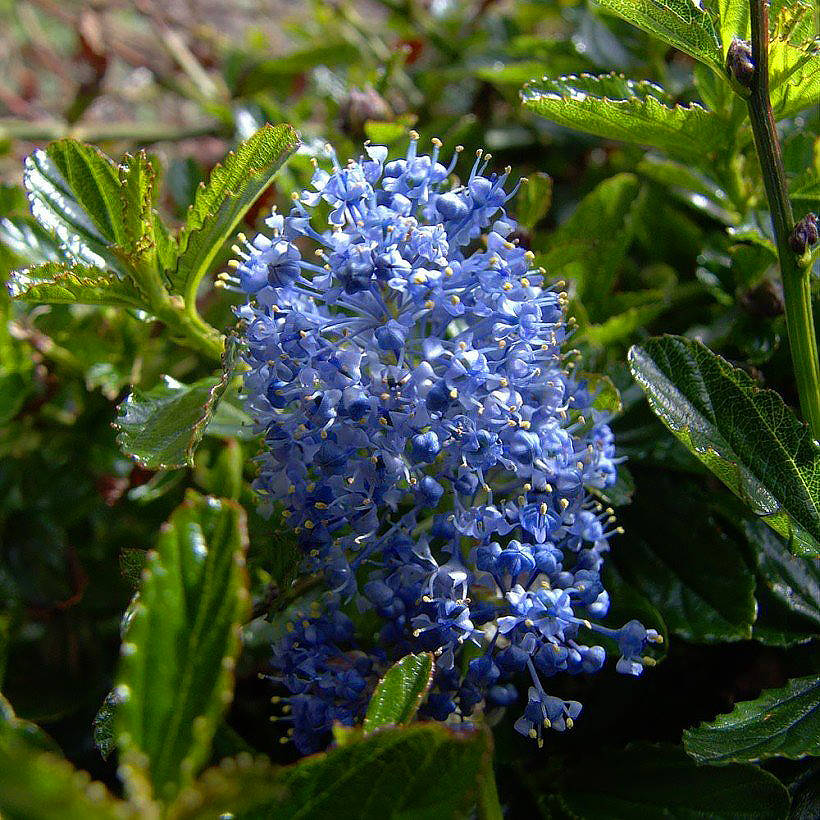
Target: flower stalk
[{"x": 795, "y": 276}]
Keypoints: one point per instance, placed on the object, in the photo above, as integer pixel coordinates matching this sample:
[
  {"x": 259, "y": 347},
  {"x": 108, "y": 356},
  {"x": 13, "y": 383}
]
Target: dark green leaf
[
  {"x": 780, "y": 723},
  {"x": 180, "y": 646},
  {"x": 684, "y": 24},
  {"x": 220, "y": 205},
  {"x": 103, "y": 726},
  {"x": 399, "y": 693},
  {"x": 661, "y": 781},
  {"x": 793, "y": 581},
  {"x": 36, "y": 783},
  {"x": 613, "y": 107},
  {"x": 162, "y": 427},
  {"x": 590, "y": 246},
  {"x": 678, "y": 558},
  {"x": 132, "y": 562},
  {"x": 744, "y": 434},
  {"x": 414, "y": 772},
  {"x": 85, "y": 284},
  {"x": 535, "y": 199}
]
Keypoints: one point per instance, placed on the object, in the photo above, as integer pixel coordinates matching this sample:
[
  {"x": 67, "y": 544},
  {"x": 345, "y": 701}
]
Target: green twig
[{"x": 796, "y": 286}]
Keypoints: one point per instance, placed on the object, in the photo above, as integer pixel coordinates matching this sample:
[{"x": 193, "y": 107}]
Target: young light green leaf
[
  {"x": 37, "y": 783},
  {"x": 73, "y": 189},
  {"x": 733, "y": 22},
  {"x": 661, "y": 781},
  {"x": 808, "y": 190},
  {"x": 780, "y": 723},
  {"x": 534, "y": 200},
  {"x": 162, "y": 427},
  {"x": 795, "y": 79},
  {"x": 180, "y": 646},
  {"x": 590, "y": 246},
  {"x": 413, "y": 772},
  {"x": 57, "y": 283},
  {"x": 220, "y": 205},
  {"x": 613, "y": 107},
  {"x": 145, "y": 239},
  {"x": 399, "y": 692},
  {"x": 744, "y": 434},
  {"x": 684, "y": 24}
]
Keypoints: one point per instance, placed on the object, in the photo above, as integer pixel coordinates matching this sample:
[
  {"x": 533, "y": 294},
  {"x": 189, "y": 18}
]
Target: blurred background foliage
[{"x": 187, "y": 80}]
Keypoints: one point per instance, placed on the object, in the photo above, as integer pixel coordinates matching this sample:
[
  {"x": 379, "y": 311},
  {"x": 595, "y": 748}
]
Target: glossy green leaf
[
  {"x": 685, "y": 24},
  {"x": 29, "y": 241},
  {"x": 534, "y": 200},
  {"x": 677, "y": 557},
  {"x": 744, "y": 434},
  {"x": 590, "y": 246},
  {"x": 73, "y": 189},
  {"x": 399, "y": 693},
  {"x": 661, "y": 781},
  {"x": 180, "y": 646},
  {"x": 414, "y": 772},
  {"x": 793, "y": 582},
  {"x": 85, "y": 284},
  {"x": 221, "y": 203},
  {"x": 614, "y": 107},
  {"x": 37, "y": 783},
  {"x": 162, "y": 427},
  {"x": 780, "y": 723}
]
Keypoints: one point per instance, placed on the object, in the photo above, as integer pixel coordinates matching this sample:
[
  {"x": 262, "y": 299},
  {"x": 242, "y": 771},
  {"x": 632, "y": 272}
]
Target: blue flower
[{"x": 430, "y": 451}]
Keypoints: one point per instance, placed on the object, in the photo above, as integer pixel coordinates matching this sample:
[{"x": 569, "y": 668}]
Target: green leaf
[
  {"x": 744, "y": 434},
  {"x": 808, "y": 190},
  {"x": 590, "y": 246},
  {"x": 38, "y": 784},
  {"x": 384, "y": 133},
  {"x": 73, "y": 189},
  {"x": 614, "y": 107},
  {"x": 675, "y": 555},
  {"x": 535, "y": 199},
  {"x": 399, "y": 693},
  {"x": 780, "y": 723},
  {"x": 162, "y": 427},
  {"x": 793, "y": 581},
  {"x": 734, "y": 22},
  {"x": 180, "y": 646},
  {"x": 684, "y": 24},
  {"x": 145, "y": 239},
  {"x": 28, "y": 241},
  {"x": 56, "y": 283},
  {"x": 661, "y": 781},
  {"x": 415, "y": 772},
  {"x": 220, "y": 205},
  {"x": 103, "y": 726},
  {"x": 795, "y": 79}
]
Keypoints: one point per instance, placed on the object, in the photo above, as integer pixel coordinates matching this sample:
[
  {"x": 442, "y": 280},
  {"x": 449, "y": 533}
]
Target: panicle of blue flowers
[{"x": 427, "y": 441}]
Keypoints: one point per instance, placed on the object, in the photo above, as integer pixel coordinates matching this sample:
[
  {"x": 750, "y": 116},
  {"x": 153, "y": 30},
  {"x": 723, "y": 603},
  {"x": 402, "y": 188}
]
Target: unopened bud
[
  {"x": 740, "y": 67},
  {"x": 804, "y": 235}
]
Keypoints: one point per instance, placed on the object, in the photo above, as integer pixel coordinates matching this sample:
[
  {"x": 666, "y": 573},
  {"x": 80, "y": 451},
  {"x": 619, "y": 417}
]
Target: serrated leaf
[
  {"x": 103, "y": 725},
  {"x": 145, "y": 239},
  {"x": 28, "y": 241},
  {"x": 780, "y": 723},
  {"x": 661, "y": 781},
  {"x": 37, "y": 783},
  {"x": 220, "y": 205},
  {"x": 733, "y": 22},
  {"x": 613, "y": 107},
  {"x": 161, "y": 428},
  {"x": 684, "y": 24},
  {"x": 794, "y": 78},
  {"x": 676, "y": 556},
  {"x": 180, "y": 646},
  {"x": 399, "y": 693},
  {"x": 74, "y": 194},
  {"x": 590, "y": 246},
  {"x": 56, "y": 283},
  {"x": 414, "y": 772},
  {"x": 745, "y": 435}
]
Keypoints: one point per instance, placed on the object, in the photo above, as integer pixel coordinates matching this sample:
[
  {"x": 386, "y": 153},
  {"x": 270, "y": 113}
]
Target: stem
[
  {"x": 488, "y": 806},
  {"x": 796, "y": 287}
]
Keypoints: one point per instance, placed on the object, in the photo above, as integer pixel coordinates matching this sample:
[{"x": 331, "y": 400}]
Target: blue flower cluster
[{"x": 429, "y": 446}]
